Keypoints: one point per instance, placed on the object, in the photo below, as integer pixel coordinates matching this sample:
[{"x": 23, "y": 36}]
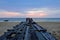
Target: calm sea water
[{"x": 35, "y": 19}]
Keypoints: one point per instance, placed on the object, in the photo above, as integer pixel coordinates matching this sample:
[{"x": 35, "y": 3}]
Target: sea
[{"x": 35, "y": 19}]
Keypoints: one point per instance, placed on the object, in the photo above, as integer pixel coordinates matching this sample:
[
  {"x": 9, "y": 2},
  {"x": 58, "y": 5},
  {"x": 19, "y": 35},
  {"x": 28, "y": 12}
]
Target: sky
[{"x": 30, "y": 8}]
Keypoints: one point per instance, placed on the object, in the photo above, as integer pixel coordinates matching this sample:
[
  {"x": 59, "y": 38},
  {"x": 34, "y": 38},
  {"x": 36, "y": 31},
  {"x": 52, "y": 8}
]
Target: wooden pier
[{"x": 28, "y": 30}]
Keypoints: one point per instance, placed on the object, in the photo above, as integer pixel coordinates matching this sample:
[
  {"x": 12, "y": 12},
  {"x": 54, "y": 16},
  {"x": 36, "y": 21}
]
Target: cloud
[
  {"x": 44, "y": 13},
  {"x": 6, "y": 14},
  {"x": 33, "y": 13}
]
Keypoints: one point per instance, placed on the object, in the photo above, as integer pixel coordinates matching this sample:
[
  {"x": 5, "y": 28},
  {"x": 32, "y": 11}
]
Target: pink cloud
[
  {"x": 32, "y": 14},
  {"x": 36, "y": 14},
  {"x": 9, "y": 14}
]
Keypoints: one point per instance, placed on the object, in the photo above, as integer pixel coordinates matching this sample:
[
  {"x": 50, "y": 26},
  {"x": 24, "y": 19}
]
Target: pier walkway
[{"x": 28, "y": 30}]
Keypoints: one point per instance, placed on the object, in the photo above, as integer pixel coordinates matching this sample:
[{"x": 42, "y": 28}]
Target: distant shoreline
[{"x": 35, "y": 19}]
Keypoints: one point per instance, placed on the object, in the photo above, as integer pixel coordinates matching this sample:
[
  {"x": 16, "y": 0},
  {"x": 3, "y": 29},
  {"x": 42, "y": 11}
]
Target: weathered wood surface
[{"x": 28, "y": 30}]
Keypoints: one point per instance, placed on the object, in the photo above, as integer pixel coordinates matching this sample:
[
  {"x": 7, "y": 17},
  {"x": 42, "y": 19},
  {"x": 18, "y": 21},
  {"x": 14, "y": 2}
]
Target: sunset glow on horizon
[
  {"x": 15, "y": 14},
  {"x": 36, "y": 14}
]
